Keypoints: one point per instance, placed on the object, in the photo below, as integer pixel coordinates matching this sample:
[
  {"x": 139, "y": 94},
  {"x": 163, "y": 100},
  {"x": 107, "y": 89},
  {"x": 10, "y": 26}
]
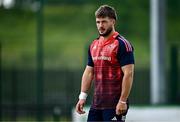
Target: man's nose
[{"x": 100, "y": 24}]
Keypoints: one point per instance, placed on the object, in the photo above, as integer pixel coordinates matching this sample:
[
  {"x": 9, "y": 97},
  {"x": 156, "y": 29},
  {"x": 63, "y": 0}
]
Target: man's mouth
[{"x": 101, "y": 30}]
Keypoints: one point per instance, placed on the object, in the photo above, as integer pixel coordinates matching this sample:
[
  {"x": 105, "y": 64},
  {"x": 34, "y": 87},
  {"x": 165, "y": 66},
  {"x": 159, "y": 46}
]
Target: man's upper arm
[
  {"x": 128, "y": 69},
  {"x": 89, "y": 71},
  {"x": 89, "y": 68}
]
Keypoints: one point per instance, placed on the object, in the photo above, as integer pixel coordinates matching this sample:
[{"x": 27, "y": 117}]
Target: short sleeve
[
  {"x": 125, "y": 53},
  {"x": 90, "y": 61}
]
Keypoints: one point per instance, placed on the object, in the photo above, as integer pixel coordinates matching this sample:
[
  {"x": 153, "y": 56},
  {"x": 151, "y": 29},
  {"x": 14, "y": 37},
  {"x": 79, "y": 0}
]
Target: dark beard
[{"x": 109, "y": 30}]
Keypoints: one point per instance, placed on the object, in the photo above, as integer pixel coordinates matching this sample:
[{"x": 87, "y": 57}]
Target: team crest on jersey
[{"x": 111, "y": 46}]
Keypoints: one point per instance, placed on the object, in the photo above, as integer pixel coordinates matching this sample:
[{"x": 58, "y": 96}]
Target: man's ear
[{"x": 114, "y": 21}]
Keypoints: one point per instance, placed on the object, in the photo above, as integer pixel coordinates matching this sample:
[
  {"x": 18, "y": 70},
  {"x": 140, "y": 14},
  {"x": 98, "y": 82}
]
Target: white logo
[
  {"x": 102, "y": 58},
  {"x": 114, "y": 118}
]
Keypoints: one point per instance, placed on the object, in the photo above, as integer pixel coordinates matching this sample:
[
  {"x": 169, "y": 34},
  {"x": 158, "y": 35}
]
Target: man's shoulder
[
  {"x": 122, "y": 40},
  {"x": 95, "y": 41},
  {"x": 124, "y": 43}
]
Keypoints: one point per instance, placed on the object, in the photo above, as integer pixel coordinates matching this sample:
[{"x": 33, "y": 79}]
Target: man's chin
[
  {"x": 106, "y": 33},
  {"x": 103, "y": 34}
]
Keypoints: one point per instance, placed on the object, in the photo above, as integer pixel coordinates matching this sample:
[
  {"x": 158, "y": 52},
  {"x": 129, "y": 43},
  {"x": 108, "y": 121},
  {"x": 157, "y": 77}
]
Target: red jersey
[{"x": 107, "y": 58}]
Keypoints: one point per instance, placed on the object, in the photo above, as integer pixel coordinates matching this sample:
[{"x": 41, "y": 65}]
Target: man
[{"x": 111, "y": 66}]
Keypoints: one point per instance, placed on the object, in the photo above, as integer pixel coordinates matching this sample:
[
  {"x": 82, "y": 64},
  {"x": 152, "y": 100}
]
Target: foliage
[{"x": 69, "y": 28}]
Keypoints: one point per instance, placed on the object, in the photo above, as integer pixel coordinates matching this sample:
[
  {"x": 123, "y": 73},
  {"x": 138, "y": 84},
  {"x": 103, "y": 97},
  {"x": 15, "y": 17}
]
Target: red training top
[{"x": 107, "y": 58}]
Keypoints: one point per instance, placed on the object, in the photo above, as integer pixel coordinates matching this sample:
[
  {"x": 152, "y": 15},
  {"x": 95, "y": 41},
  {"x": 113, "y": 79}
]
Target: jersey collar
[{"x": 109, "y": 40}]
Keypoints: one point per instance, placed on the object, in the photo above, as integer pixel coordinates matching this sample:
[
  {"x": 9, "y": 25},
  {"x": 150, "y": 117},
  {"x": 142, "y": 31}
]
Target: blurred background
[{"x": 43, "y": 51}]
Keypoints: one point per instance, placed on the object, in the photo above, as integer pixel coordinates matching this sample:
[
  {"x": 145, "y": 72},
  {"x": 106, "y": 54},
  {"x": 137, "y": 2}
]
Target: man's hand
[
  {"x": 121, "y": 108},
  {"x": 79, "y": 106}
]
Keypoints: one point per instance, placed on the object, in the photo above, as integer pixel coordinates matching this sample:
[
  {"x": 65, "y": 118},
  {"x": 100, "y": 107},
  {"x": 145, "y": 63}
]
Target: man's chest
[{"x": 106, "y": 52}]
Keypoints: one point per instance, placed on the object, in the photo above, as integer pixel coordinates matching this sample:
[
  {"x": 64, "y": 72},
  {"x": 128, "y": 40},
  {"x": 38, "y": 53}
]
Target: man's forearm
[
  {"x": 127, "y": 82},
  {"x": 87, "y": 79},
  {"x": 126, "y": 87}
]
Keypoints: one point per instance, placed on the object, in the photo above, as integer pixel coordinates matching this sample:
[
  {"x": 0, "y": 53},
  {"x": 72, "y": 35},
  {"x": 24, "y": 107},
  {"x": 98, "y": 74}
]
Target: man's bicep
[
  {"x": 89, "y": 70},
  {"x": 128, "y": 69}
]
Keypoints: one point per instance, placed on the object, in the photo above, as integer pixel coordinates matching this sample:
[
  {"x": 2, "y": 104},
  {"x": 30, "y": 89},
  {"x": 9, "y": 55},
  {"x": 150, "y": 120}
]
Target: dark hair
[{"x": 106, "y": 11}]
